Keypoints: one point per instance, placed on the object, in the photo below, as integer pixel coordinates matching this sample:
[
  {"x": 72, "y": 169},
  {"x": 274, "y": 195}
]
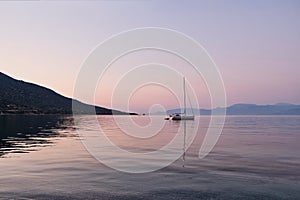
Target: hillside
[{"x": 19, "y": 97}]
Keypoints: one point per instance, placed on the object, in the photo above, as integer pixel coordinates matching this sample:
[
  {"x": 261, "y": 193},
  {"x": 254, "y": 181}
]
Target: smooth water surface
[{"x": 256, "y": 157}]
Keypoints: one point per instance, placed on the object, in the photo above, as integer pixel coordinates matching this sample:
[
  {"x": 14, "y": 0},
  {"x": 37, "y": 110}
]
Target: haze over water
[{"x": 256, "y": 157}]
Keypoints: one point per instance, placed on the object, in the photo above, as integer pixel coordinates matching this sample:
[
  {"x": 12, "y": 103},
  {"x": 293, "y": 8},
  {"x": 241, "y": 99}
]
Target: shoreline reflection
[{"x": 27, "y": 133}]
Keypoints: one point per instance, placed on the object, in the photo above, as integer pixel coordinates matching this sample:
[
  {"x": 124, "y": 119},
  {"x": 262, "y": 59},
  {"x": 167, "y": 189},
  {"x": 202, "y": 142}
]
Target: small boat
[{"x": 183, "y": 116}]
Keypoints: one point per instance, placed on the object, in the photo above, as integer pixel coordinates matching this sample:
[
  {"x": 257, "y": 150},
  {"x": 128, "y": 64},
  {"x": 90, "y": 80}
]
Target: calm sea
[{"x": 43, "y": 157}]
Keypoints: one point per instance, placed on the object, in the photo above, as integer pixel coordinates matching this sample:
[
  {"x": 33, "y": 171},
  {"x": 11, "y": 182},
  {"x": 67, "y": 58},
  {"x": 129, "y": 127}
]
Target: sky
[{"x": 255, "y": 44}]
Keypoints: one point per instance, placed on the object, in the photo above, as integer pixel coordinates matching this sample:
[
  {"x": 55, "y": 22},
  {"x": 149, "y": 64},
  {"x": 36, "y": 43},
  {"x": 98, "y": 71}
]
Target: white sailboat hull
[{"x": 182, "y": 116}]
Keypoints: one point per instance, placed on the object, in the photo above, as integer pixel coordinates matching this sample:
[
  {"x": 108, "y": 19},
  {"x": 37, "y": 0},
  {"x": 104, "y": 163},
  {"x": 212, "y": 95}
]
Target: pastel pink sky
[{"x": 255, "y": 44}]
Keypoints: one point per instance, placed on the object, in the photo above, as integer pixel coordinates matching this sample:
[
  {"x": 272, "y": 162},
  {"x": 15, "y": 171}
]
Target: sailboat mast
[{"x": 184, "y": 96}]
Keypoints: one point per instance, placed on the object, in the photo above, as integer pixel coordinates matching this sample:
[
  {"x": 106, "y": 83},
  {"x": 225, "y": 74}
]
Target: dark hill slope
[{"x": 19, "y": 97}]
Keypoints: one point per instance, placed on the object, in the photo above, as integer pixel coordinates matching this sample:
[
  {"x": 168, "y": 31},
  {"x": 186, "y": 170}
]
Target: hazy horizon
[{"x": 154, "y": 111}]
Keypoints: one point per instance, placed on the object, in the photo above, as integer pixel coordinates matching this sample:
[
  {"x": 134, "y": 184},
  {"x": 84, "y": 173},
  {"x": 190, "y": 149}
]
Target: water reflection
[
  {"x": 257, "y": 157},
  {"x": 26, "y": 133}
]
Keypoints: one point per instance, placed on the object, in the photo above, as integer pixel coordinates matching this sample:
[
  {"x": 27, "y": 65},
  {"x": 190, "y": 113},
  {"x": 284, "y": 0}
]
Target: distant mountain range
[
  {"x": 19, "y": 97},
  {"x": 245, "y": 109}
]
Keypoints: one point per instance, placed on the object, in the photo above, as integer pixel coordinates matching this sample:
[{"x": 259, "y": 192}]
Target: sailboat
[{"x": 183, "y": 116}]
